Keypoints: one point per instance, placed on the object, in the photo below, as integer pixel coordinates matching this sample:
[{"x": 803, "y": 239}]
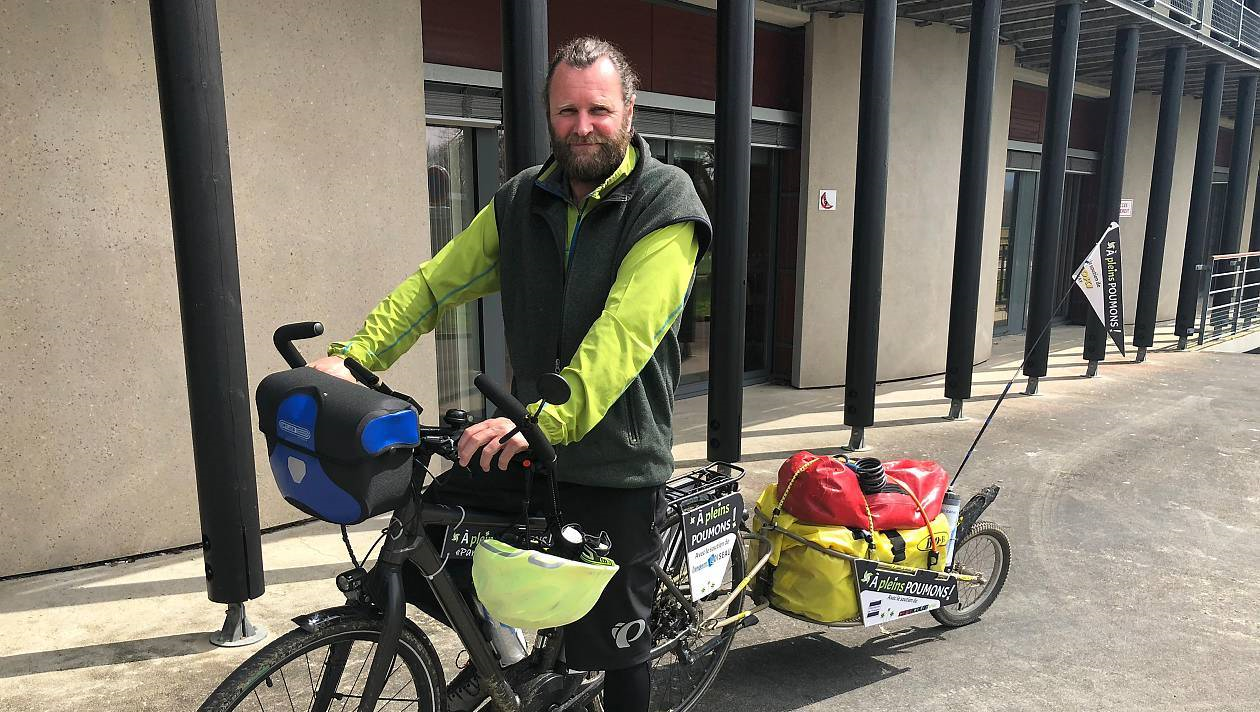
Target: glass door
[
  {"x": 696, "y": 159},
  {"x": 1019, "y": 210},
  {"x": 452, "y": 205}
]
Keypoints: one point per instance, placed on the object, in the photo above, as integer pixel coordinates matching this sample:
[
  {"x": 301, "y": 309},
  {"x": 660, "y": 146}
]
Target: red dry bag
[{"x": 824, "y": 490}]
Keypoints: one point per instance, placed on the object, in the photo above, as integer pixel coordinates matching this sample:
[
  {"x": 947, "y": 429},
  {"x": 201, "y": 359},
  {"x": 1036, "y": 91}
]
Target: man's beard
[{"x": 594, "y": 166}]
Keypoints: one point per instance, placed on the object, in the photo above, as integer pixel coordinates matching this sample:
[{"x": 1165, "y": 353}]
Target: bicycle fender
[
  {"x": 314, "y": 622},
  {"x": 970, "y": 513}
]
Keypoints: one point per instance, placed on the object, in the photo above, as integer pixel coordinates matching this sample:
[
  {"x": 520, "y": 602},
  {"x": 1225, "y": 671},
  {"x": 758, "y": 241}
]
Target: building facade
[{"x": 365, "y": 136}]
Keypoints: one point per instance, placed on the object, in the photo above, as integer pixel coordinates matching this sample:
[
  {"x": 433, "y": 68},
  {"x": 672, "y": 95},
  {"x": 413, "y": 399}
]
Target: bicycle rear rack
[{"x": 709, "y": 482}]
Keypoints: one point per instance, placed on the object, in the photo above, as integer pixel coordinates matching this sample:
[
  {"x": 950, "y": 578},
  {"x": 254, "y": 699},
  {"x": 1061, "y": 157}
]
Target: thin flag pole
[{"x": 1007, "y": 389}]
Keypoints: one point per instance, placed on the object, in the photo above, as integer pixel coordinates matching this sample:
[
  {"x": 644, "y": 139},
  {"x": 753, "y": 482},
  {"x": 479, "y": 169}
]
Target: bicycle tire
[
  {"x": 676, "y": 683},
  {"x": 255, "y": 680},
  {"x": 968, "y": 610}
]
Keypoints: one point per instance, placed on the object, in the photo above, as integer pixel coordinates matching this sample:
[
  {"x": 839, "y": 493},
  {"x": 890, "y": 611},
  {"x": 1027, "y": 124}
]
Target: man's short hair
[{"x": 582, "y": 52}]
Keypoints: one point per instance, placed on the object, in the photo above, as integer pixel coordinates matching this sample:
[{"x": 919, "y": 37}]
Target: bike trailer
[
  {"x": 338, "y": 451},
  {"x": 815, "y": 566}
]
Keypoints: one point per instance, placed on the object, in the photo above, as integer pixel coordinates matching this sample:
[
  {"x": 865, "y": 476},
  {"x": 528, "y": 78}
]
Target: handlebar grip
[
  {"x": 284, "y": 337},
  {"x": 513, "y": 409}
]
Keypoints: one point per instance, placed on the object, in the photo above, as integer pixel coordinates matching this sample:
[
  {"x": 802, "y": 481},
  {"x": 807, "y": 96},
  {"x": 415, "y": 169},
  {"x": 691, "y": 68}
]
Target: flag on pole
[{"x": 1099, "y": 279}]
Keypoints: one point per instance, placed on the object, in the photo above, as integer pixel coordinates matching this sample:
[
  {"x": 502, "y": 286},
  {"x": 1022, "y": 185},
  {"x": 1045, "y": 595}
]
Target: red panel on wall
[
  {"x": 1086, "y": 131},
  {"x": 673, "y": 49},
  {"x": 1224, "y": 146},
  {"x": 778, "y": 69},
  {"x": 464, "y": 33},
  {"x": 1088, "y": 128},
  {"x": 684, "y": 52},
  {"x": 625, "y": 23},
  {"x": 1028, "y": 106}
]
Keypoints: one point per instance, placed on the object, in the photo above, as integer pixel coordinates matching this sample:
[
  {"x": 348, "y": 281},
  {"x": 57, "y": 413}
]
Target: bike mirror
[{"x": 553, "y": 388}]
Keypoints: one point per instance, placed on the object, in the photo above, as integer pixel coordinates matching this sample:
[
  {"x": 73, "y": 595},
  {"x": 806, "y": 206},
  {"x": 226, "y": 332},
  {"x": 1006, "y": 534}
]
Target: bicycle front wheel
[
  {"x": 685, "y": 660},
  {"x": 328, "y": 669}
]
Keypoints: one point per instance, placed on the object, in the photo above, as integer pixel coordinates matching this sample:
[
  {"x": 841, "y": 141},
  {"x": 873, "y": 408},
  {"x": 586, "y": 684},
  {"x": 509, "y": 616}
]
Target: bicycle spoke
[
  {"x": 310, "y": 675},
  {"x": 366, "y": 659},
  {"x": 399, "y": 691},
  {"x": 285, "y": 682}
]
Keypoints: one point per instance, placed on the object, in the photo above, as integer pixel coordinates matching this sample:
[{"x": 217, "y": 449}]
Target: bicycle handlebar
[
  {"x": 540, "y": 447},
  {"x": 284, "y": 337},
  {"x": 515, "y": 411}
]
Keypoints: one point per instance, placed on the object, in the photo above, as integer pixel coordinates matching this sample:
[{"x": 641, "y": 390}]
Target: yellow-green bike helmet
[{"x": 532, "y": 589}]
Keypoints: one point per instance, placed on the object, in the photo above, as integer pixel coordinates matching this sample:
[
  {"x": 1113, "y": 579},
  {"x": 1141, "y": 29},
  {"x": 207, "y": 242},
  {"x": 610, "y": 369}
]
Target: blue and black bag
[{"x": 339, "y": 452}]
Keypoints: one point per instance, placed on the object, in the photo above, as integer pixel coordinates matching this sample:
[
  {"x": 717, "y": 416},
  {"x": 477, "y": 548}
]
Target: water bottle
[
  {"x": 950, "y": 508},
  {"x": 508, "y": 642}
]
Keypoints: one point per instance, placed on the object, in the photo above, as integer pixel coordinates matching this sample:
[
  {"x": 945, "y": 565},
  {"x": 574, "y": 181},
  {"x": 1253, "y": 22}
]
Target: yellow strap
[
  {"x": 870, "y": 519},
  {"x": 786, "y": 490}
]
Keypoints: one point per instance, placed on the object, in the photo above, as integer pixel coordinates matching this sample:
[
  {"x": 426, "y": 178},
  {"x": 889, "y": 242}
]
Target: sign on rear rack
[
  {"x": 710, "y": 533},
  {"x": 888, "y": 595}
]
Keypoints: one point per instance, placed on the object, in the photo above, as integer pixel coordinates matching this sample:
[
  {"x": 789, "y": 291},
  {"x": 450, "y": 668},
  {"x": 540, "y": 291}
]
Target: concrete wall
[
  {"x": 325, "y": 113},
  {"x": 929, "y": 91},
  {"x": 1144, "y": 122},
  {"x": 1137, "y": 185}
]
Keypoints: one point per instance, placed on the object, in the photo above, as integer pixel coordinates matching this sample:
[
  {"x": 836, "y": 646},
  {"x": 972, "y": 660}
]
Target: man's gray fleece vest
[{"x": 546, "y": 315}]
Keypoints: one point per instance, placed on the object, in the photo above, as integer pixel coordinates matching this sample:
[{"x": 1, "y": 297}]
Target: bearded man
[{"x": 594, "y": 253}]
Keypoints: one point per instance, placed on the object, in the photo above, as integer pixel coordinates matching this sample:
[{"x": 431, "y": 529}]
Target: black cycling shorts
[{"x": 616, "y": 633}]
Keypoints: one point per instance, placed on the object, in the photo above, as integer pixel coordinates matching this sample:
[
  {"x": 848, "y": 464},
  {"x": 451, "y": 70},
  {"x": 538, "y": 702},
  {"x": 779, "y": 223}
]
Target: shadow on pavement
[
  {"x": 788, "y": 674},
  {"x": 38, "y": 595},
  {"x": 129, "y": 651}
]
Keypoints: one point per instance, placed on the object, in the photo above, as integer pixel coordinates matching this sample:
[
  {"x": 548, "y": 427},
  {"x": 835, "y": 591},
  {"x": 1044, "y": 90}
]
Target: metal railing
[
  {"x": 1229, "y": 21},
  {"x": 1229, "y": 296}
]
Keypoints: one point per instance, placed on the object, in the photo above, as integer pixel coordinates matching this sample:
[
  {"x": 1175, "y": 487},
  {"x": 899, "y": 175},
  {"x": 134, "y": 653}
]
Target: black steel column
[
  {"x": 730, "y": 243},
  {"x": 870, "y": 202},
  {"x": 1239, "y": 166},
  {"x": 1041, "y": 301},
  {"x": 1200, "y": 200},
  {"x": 526, "y": 141},
  {"x": 194, "y": 125},
  {"x": 1161, "y": 190},
  {"x": 1115, "y": 147},
  {"x": 972, "y": 191}
]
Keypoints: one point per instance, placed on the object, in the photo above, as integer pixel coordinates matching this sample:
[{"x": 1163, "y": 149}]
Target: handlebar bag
[
  {"x": 339, "y": 451},
  {"x": 824, "y": 490}
]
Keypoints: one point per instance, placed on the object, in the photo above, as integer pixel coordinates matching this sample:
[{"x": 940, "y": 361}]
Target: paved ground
[{"x": 1132, "y": 502}]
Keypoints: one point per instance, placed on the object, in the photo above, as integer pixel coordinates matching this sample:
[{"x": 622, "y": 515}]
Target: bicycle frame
[{"x": 406, "y": 540}]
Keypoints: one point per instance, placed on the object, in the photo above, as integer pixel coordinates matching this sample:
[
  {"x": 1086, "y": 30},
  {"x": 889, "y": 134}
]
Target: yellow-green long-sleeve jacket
[{"x": 635, "y": 314}]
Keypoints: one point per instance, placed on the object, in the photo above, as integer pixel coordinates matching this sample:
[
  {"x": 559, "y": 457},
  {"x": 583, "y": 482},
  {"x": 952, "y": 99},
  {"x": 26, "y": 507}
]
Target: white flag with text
[{"x": 1099, "y": 278}]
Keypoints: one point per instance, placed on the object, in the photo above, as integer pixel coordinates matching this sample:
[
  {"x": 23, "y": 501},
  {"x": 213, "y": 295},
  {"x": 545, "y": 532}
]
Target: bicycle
[{"x": 695, "y": 616}]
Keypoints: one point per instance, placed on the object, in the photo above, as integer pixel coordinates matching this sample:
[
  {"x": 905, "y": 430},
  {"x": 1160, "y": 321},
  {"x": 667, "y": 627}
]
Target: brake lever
[
  {"x": 373, "y": 381},
  {"x": 364, "y": 376}
]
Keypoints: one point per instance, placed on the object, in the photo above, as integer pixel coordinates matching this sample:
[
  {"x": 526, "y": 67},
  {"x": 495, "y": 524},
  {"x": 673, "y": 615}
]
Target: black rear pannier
[{"x": 338, "y": 451}]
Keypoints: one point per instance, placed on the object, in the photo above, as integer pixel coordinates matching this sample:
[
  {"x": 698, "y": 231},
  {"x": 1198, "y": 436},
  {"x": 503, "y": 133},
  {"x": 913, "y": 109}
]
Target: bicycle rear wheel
[
  {"x": 328, "y": 669},
  {"x": 684, "y": 660},
  {"x": 984, "y": 552}
]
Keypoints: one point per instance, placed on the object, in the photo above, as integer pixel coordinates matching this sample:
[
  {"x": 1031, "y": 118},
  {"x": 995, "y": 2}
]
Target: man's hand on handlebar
[
  {"x": 485, "y": 436},
  {"x": 333, "y": 366}
]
